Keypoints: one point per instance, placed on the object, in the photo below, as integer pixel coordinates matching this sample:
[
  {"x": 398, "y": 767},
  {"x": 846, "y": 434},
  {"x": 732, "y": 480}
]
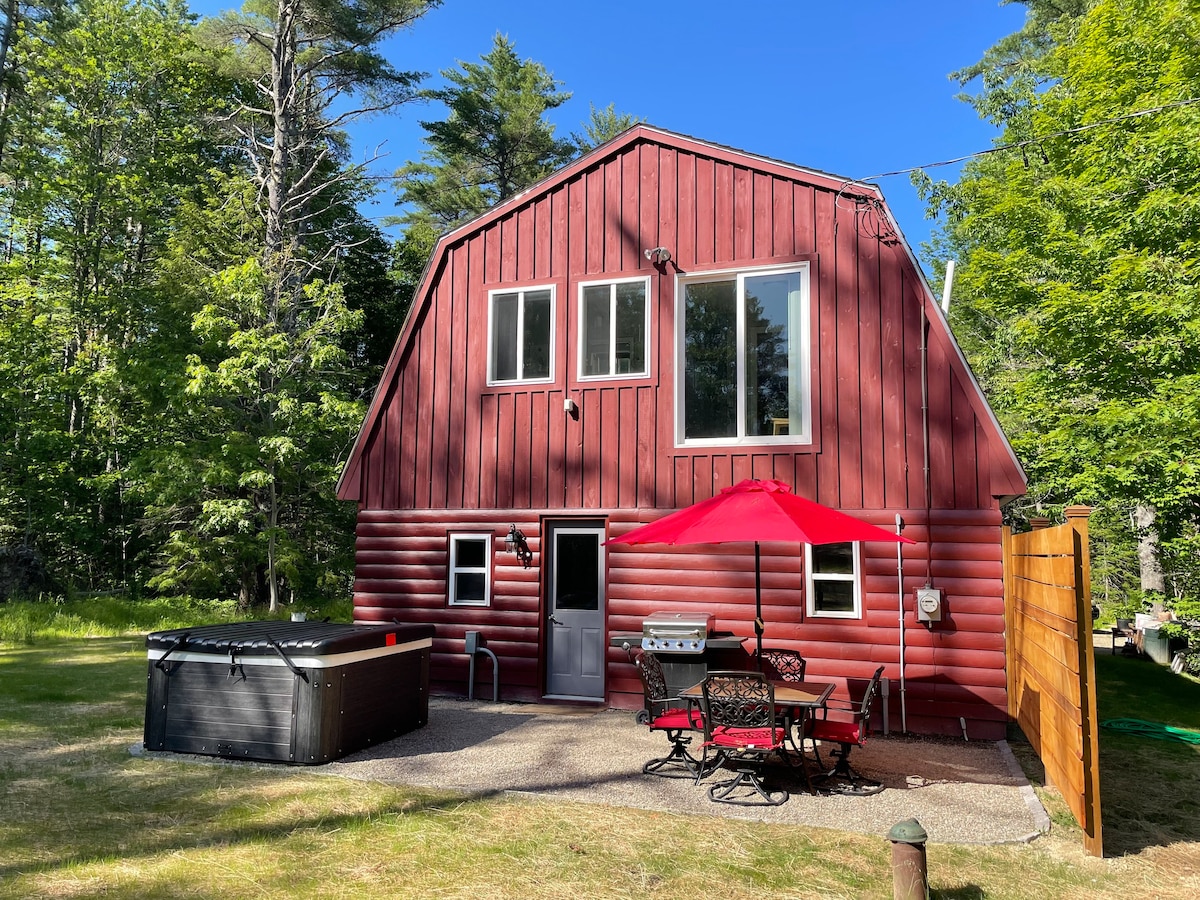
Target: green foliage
[
  {"x": 1077, "y": 300},
  {"x": 177, "y": 393},
  {"x": 309, "y": 67},
  {"x": 109, "y": 133},
  {"x": 602, "y": 125},
  {"x": 371, "y": 288},
  {"x": 494, "y": 142},
  {"x": 29, "y": 622},
  {"x": 267, "y": 407}
]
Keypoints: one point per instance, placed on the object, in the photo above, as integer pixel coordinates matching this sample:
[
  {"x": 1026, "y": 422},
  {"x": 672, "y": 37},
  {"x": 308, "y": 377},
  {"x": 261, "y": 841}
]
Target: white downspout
[{"x": 947, "y": 286}]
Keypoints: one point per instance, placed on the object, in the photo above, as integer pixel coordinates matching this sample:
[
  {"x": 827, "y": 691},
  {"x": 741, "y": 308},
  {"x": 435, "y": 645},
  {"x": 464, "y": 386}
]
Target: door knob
[{"x": 552, "y": 619}]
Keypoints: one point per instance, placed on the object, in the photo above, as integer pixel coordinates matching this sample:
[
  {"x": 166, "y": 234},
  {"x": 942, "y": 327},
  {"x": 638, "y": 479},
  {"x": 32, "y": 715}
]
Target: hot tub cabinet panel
[{"x": 302, "y": 693}]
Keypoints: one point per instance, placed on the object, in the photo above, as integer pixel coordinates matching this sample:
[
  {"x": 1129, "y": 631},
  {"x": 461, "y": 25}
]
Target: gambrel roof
[{"x": 1006, "y": 476}]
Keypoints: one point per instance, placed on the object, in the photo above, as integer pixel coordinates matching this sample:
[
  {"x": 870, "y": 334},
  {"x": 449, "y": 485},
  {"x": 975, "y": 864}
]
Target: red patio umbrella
[{"x": 757, "y": 510}]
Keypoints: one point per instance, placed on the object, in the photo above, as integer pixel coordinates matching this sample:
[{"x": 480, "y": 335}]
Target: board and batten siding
[{"x": 449, "y": 441}]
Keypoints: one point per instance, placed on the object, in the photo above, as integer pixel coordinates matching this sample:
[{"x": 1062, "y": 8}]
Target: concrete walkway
[{"x": 960, "y": 792}]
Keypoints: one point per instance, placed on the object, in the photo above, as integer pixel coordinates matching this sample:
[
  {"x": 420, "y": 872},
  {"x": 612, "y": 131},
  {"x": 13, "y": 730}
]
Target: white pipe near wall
[{"x": 947, "y": 286}]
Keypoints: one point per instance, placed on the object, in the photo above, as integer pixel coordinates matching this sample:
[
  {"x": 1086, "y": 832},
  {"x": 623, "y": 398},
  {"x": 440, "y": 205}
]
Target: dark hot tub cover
[{"x": 297, "y": 692}]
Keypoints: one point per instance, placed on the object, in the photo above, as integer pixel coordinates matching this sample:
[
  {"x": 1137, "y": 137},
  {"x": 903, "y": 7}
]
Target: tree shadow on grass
[
  {"x": 1149, "y": 795},
  {"x": 182, "y": 808}
]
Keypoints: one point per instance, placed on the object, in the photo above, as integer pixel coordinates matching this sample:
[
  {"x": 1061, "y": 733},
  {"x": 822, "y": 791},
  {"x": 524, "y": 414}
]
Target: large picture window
[
  {"x": 612, "y": 329},
  {"x": 832, "y": 580},
  {"x": 469, "y": 576},
  {"x": 745, "y": 354},
  {"x": 521, "y": 335}
]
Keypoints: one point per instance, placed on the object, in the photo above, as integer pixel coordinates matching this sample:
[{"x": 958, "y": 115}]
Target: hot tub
[{"x": 295, "y": 692}]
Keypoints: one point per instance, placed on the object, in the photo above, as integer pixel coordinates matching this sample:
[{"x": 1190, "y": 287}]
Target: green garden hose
[{"x": 1154, "y": 730}]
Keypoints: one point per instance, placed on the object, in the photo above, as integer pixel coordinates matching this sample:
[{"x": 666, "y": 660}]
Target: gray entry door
[{"x": 575, "y": 636}]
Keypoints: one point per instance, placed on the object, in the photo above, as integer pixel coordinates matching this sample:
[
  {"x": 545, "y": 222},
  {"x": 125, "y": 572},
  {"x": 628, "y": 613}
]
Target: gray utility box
[{"x": 295, "y": 692}]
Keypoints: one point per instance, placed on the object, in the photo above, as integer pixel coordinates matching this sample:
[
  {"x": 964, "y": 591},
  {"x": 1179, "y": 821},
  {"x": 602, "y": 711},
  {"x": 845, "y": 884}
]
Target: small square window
[
  {"x": 832, "y": 580},
  {"x": 470, "y": 572}
]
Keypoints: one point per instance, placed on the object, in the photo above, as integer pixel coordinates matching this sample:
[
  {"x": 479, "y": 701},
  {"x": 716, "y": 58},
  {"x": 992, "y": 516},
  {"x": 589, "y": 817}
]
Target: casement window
[
  {"x": 613, "y": 324},
  {"x": 521, "y": 335},
  {"x": 832, "y": 580},
  {"x": 745, "y": 355},
  {"x": 469, "y": 576}
]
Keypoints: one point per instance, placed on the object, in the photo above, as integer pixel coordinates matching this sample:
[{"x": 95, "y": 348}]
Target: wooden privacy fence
[{"x": 1051, "y": 668}]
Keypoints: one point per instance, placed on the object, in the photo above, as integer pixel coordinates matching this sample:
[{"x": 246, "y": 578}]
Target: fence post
[{"x": 1077, "y": 519}]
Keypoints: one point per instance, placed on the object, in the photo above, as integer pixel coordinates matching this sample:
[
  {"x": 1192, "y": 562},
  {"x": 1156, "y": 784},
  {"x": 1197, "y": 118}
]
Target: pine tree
[{"x": 494, "y": 142}]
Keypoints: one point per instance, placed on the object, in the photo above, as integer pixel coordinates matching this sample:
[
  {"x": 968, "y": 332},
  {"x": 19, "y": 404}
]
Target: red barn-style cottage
[{"x": 662, "y": 318}]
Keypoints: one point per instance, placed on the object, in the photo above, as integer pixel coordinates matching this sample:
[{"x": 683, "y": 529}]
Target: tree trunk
[
  {"x": 1147, "y": 535},
  {"x": 246, "y": 590},
  {"x": 12, "y": 23},
  {"x": 272, "y": 522},
  {"x": 283, "y": 102}
]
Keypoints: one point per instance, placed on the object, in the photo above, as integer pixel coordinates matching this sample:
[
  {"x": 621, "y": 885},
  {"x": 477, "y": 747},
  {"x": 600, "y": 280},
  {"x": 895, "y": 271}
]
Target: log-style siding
[
  {"x": 442, "y": 450},
  {"x": 955, "y": 670}
]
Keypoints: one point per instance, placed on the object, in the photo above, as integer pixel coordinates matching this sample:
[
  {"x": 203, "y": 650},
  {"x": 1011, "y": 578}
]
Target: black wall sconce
[{"x": 514, "y": 542}]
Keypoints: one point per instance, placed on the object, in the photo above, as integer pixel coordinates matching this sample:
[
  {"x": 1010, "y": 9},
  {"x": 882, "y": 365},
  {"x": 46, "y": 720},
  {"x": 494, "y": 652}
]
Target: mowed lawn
[{"x": 82, "y": 817}]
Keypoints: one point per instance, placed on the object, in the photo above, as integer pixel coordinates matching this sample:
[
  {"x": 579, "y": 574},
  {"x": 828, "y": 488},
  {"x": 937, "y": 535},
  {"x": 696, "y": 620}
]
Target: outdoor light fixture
[
  {"x": 658, "y": 255},
  {"x": 514, "y": 542}
]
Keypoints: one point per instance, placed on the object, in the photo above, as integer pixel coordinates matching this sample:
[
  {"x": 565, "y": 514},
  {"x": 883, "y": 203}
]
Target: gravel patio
[{"x": 961, "y": 792}]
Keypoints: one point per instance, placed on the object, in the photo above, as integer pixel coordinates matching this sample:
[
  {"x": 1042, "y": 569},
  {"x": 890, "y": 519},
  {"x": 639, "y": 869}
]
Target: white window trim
[
  {"x": 855, "y": 578},
  {"x": 522, "y": 291},
  {"x": 452, "y": 568},
  {"x": 804, "y": 376},
  {"x": 612, "y": 329}
]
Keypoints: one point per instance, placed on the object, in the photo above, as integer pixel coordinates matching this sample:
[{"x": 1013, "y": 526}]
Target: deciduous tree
[
  {"x": 1078, "y": 300},
  {"x": 112, "y": 137}
]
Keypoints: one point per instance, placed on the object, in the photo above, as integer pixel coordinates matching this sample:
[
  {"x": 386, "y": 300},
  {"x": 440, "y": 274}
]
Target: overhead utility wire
[{"x": 1037, "y": 140}]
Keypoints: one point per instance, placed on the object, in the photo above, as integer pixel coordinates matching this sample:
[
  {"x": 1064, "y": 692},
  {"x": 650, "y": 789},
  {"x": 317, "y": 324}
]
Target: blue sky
[{"x": 854, "y": 89}]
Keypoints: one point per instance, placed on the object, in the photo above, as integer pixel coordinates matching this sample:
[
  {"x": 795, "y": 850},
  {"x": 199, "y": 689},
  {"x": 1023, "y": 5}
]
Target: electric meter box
[{"x": 929, "y": 605}]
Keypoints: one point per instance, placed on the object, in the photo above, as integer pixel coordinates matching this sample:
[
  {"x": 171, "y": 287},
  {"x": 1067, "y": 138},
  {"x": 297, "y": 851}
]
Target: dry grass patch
[{"x": 80, "y": 817}]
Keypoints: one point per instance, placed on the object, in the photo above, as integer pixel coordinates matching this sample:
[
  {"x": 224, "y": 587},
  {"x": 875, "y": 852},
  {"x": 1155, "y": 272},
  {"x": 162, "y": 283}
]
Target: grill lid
[{"x": 677, "y": 632}]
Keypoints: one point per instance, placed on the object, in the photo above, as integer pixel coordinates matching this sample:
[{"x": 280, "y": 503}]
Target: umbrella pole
[{"x": 758, "y": 622}]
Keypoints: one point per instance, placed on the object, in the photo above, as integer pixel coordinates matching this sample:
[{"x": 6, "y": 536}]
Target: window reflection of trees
[
  {"x": 767, "y": 362},
  {"x": 710, "y": 353}
]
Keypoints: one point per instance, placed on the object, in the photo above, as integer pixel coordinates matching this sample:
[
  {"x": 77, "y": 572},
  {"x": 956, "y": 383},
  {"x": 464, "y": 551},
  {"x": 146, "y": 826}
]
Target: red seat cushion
[
  {"x": 757, "y": 738},
  {"x": 672, "y": 719},
  {"x": 835, "y": 732}
]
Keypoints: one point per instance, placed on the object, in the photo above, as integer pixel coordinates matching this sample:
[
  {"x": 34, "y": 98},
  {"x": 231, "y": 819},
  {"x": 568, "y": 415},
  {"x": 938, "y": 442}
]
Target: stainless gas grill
[
  {"x": 677, "y": 632},
  {"x": 686, "y": 644}
]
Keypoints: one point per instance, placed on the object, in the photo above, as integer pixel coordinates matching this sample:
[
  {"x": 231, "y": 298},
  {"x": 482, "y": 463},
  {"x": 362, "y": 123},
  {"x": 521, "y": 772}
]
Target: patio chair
[
  {"x": 676, "y": 717},
  {"x": 784, "y": 665},
  {"x": 848, "y": 735},
  {"x": 740, "y": 725}
]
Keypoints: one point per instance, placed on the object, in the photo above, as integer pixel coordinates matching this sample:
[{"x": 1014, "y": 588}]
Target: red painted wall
[
  {"x": 955, "y": 670},
  {"x": 447, "y": 451}
]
